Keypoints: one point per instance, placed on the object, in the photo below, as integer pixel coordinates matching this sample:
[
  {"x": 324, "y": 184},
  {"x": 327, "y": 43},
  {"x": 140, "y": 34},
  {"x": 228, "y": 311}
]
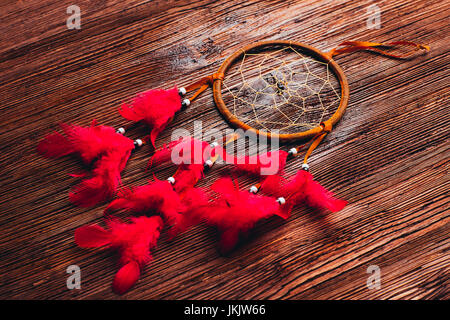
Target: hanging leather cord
[
  {"x": 351, "y": 46},
  {"x": 326, "y": 128}
]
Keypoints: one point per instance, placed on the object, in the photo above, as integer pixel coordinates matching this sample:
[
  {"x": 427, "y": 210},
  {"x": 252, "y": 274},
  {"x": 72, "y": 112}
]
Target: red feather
[
  {"x": 235, "y": 212},
  {"x": 154, "y": 198},
  {"x": 156, "y": 108},
  {"x": 54, "y": 146},
  {"x": 104, "y": 181},
  {"x": 126, "y": 277},
  {"x": 134, "y": 241},
  {"x": 317, "y": 196},
  {"x": 92, "y": 236},
  {"x": 193, "y": 202},
  {"x": 187, "y": 176},
  {"x": 101, "y": 143},
  {"x": 302, "y": 188},
  {"x": 190, "y": 154},
  {"x": 265, "y": 164}
]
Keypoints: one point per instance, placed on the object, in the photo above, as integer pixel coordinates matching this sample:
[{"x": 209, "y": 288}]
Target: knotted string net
[{"x": 281, "y": 88}]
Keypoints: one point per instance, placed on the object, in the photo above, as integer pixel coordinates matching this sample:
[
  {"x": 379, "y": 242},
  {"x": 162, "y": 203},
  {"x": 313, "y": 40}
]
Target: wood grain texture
[{"x": 388, "y": 156}]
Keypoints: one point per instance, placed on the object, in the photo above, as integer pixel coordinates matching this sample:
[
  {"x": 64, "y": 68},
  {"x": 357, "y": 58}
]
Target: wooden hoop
[{"x": 324, "y": 57}]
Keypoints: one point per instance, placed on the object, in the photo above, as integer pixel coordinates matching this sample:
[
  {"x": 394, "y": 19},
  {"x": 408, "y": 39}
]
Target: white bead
[
  {"x": 253, "y": 189},
  {"x": 209, "y": 163},
  {"x": 305, "y": 166},
  {"x": 171, "y": 180},
  {"x": 293, "y": 151},
  {"x": 138, "y": 142},
  {"x": 182, "y": 91},
  {"x": 121, "y": 130},
  {"x": 186, "y": 102},
  {"x": 214, "y": 144},
  {"x": 281, "y": 200}
]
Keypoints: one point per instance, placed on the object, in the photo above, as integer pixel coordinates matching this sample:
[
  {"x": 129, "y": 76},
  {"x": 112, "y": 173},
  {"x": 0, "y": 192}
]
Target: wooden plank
[{"x": 389, "y": 155}]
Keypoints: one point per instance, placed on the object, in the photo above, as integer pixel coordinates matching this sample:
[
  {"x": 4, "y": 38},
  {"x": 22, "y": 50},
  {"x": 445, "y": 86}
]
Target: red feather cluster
[
  {"x": 302, "y": 188},
  {"x": 179, "y": 210},
  {"x": 193, "y": 203},
  {"x": 156, "y": 108},
  {"x": 235, "y": 212},
  {"x": 101, "y": 144},
  {"x": 154, "y": 198},
  {"x": 134, "y": 241},
  {"x": 179, "y": 206}
]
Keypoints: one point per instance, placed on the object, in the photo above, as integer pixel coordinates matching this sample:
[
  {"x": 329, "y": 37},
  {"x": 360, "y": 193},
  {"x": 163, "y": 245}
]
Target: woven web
[{"x": 281, "y": 88}]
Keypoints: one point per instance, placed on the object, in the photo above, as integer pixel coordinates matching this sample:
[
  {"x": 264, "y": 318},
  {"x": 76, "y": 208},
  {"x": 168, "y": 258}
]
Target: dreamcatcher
[{"x": 277, "y": 89}]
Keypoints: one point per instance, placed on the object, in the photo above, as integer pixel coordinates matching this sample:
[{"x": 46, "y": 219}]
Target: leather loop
[
  {"x": 327, "y": 126},
  {"x": 218, "y": 76}
]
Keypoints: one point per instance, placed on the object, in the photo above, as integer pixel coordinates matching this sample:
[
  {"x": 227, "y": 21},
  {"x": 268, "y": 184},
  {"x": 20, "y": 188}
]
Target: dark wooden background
[{"x": 389, "y": 156}]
